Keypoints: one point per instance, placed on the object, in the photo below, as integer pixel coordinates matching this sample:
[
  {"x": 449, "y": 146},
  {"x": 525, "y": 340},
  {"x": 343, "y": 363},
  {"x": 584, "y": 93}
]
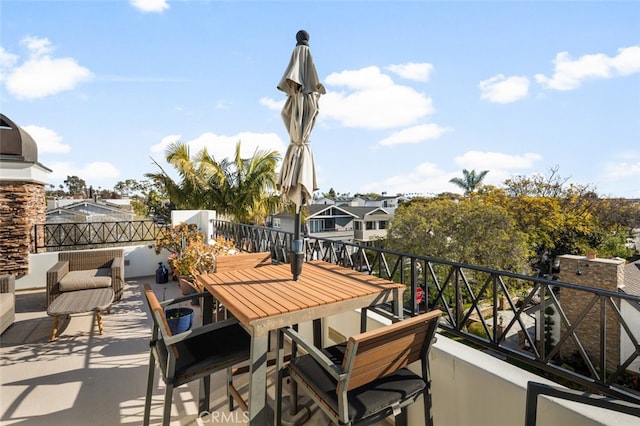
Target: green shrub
[{"x": 477, "y": 329}]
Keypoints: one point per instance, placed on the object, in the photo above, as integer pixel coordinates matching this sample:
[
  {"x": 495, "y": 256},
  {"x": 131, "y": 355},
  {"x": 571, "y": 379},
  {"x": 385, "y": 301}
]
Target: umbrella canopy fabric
[{"x": 297, "y": 179}]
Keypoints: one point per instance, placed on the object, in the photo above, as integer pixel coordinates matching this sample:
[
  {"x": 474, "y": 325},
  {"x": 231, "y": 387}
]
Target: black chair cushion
[
  {"x": 215, "y": 350},
  {"x": 365, "y": 401}
]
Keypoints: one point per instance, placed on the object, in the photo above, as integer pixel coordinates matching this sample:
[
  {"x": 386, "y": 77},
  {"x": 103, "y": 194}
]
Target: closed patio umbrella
[{"x": 297, "y": 178}]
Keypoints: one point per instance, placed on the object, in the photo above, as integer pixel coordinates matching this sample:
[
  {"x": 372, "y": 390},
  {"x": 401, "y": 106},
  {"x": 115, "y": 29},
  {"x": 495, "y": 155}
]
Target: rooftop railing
[
  {"x": 84, "y": 235},
  {"x": 507, "y": 314},
  {"x": 500, "y": 303}
]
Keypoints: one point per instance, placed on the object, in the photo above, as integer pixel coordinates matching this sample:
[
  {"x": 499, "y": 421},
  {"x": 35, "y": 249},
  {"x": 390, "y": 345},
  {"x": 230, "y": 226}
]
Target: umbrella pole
[{"x": 297, "y": 253}]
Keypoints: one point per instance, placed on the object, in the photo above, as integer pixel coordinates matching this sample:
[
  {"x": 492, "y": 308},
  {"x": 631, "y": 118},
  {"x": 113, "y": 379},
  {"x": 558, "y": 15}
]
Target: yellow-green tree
[{"x": 467, "y": 231}]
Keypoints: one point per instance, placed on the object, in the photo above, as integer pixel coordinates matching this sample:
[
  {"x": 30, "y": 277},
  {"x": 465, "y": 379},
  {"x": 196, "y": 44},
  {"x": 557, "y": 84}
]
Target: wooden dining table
[{"x": 267, "y": 298}]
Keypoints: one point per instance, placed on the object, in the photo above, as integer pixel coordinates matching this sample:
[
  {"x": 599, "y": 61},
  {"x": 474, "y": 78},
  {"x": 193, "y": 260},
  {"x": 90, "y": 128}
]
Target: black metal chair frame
[{"x": 208, "y": 349}]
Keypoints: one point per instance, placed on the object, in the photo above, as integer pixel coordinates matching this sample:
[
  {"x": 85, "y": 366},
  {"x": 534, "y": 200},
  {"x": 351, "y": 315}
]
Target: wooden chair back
[
  {"x": 157, "y": 314},
  {"x": 380, "y": 352}
]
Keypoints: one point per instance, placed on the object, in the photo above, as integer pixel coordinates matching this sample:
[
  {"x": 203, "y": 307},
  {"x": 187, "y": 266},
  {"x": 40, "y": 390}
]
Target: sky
[{"x": 417, "y": 91}]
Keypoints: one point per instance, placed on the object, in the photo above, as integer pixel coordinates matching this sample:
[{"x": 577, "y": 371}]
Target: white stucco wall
[
  {"x": 631, "y": 316},
  {"x": 470, "y": 387}
]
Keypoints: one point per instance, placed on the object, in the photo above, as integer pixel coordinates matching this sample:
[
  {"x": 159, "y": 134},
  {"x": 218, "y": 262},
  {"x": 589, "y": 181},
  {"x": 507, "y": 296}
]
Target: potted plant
[
  {"x": 199, "y": 257},
  {"x": 175, "y": 240},
  {"x": 190, "y": 255},
  {"x": 179, "y": 319}
]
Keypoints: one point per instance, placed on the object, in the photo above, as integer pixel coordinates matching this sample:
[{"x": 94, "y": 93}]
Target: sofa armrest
[
  {"x": 117, "y": 277},
  {"x": 117, "y": 267},
  {"x": 54, "y": 275},
  {"x": 7, "y": 284}
]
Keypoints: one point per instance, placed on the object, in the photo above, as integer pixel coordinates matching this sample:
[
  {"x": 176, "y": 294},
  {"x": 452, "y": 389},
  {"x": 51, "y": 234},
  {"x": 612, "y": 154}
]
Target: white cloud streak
[
  {"x": 496, "y": 160},
  {"x": 569, "y": 74},
  {"x": 414, "y": 134},
  {"x": 504, "y": 90},
  {"x": 98, "y": 171},
  {"x": 150, "y": 6},
  {"x": 412, "y": 71}
]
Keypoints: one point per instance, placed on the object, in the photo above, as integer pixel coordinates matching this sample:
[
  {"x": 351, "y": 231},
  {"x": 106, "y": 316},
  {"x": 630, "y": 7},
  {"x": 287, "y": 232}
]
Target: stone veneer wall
[
  {"x": 22, "y": 205},
  {"x": 599, "y": 273}
]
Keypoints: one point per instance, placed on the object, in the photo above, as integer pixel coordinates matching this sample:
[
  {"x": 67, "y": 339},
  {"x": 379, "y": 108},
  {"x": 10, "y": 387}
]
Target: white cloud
[
  {"x": 372, "y": 101},
  {"x": 164, "y": 143},
  {"x": 369, "y": 100},
  {"x": 150, "y": 5},
  {"x": 429, "y": 179},
  {"x": 224, "y": 146},
  {"x": 426, "y": 179},
  {"x": 570, "y": 73},
  {"x": 412, "y": 71},
  {"x": 363, "y": 79},
  {"x": 47, "y": 140},
  {"x": 627, "y": 61},
  {"x": 622, "y": 169},
  {"x": 503, "y": 90},
  {"x": 501, "y": 166},
  {"x": 41, "y": 75},
  {"x": 496, "y": 160},
  {"x": 414, "y": 134},
  {"x": 98, "y": 171},
  {"x": 273, "y": 104},
  {"x": 7, "y": 61}
]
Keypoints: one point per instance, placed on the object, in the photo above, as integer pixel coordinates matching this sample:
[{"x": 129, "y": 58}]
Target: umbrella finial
[{"x": 302, "y": 37}]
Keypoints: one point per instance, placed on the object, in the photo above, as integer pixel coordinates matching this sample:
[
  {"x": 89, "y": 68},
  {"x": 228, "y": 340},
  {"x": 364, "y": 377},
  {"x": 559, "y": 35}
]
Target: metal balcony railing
[
  {"x": 73, "y": 236},
  {"x": 499, "y": 301},
  {"x": 487, "y": 308}
]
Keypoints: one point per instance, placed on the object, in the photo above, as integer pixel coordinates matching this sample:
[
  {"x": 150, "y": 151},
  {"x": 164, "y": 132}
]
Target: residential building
[{"x": 83, "y": 211}]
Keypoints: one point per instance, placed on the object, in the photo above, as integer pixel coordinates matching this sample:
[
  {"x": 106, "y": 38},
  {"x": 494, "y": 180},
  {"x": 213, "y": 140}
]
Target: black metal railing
[
  {"x": 505, "y": 313},
  {"x": 493, "y": 309},
  {"x": 73, "y": 236}
]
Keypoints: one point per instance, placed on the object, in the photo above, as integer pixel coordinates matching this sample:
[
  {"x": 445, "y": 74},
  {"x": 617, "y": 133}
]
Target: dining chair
[
  {"x": 193, "y": 354},
  {"x": 366, "y": 379}
]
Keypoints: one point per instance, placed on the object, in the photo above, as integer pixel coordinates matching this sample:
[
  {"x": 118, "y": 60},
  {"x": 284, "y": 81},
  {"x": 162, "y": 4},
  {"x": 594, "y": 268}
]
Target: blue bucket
[{"x": 179, "y": 319}]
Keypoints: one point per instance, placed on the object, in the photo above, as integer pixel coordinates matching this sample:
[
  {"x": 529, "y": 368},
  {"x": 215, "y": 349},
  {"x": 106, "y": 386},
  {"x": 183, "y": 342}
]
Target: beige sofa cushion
[
  {"x": 89, "y": 278},
  {"x": 7, "y": 310}
]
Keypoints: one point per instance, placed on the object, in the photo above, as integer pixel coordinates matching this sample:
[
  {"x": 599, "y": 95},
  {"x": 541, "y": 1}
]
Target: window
[
  {"x": 357, "y": 225},
  {"x": 382, "y": 224},
  {"x": 276, "y": 222},
  {"x": 369, "y": 225}
]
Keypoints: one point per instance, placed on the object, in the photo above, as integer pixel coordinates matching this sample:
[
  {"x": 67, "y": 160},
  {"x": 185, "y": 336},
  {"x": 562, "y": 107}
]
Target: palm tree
[
  {"x": 188, "y": 193},
  {"x": 243, "y": 189},
  {"x": 471, "y": 180}
]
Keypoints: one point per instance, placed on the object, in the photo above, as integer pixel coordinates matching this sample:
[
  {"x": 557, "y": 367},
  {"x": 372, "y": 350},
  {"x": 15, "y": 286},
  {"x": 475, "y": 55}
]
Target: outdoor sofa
[
  {"x": 86, "y": 269},
  {"x": 7, "y": 301}
]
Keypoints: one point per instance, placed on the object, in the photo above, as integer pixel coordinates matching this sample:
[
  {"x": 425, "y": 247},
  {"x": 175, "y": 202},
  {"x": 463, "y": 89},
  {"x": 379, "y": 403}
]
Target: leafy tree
[
  {"x": 243, "y": 189},
  {"x": 470, "y": 181},
  {"x": 76, "y": 186},
  {"x": 331, "y": 194},
  {"x": 189, "y": 192},
  {"x": 131, "y": 188},
  {"x": 468, "y": 231}
]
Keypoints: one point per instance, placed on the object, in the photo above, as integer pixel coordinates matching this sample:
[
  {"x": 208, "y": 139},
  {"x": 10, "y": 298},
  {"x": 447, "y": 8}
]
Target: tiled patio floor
[{"x": 85, "y": 378}]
